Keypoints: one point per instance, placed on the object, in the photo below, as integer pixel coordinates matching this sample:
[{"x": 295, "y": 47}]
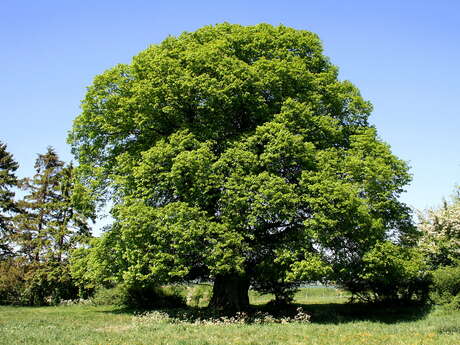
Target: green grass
[{"x": 332, "y": 322}]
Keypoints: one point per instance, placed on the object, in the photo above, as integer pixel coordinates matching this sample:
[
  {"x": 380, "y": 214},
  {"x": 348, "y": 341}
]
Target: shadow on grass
[
  {"x": 327, "y": 313},
  {"x": 335, "y": 313}
]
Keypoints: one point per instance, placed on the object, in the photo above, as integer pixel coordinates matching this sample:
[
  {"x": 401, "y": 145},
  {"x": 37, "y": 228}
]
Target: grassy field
[{"x": 332, "y": 322}]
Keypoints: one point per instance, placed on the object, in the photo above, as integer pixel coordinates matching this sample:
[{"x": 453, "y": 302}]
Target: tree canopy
[{"x": 236, "y": 154}]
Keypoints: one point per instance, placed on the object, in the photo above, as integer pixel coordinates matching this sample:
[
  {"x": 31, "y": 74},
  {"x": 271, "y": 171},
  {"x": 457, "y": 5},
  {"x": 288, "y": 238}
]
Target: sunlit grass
[{"x": 333, "y": 322}]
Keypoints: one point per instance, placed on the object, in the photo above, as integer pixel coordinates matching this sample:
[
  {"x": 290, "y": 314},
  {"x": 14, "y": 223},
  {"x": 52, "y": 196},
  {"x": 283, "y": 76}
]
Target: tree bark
[{"x": 230, "y": 293}]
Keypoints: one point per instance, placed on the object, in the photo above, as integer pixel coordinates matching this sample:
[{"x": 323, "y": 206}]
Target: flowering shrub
[
  {"x": 440, "y": 229},
  {"x": 79, "y": 301},
  {"x": 258, "y": 317}
]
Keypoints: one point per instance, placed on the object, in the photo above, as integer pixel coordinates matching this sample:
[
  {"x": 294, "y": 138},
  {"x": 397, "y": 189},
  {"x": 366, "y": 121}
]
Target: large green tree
[{"x": 236, "y": 154}]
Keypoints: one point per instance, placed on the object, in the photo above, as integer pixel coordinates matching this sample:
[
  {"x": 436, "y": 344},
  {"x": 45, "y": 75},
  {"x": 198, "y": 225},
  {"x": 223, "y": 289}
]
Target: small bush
[
  {"x": 150, "y": 297},
  {"x": 11, "y": 282},
  {"x": 446, "y": 286},
  {"x": 392, "y": 274},
  {"x": 48, "y": 284},
  {"x": 109, "y": 296},
  {"x": 34, "y": 284}
]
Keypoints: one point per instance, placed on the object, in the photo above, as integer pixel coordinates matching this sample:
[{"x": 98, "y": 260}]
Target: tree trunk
[{"x": 230, "y": 293}]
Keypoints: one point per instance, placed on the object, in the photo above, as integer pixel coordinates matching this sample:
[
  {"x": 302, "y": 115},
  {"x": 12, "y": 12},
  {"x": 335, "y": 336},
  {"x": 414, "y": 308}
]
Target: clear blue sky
[{"x": 404, "y": 56}]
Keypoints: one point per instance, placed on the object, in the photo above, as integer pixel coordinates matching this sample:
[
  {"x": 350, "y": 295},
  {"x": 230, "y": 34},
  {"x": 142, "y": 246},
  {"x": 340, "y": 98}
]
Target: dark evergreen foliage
[{"x": 8, "y": 205}]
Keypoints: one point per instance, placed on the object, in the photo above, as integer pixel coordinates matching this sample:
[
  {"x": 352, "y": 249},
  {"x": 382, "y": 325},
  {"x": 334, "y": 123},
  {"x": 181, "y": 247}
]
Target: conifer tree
[
  {"x": 53, "y": 221},
  {"x": 51, "y": 224},
  {"x": 8, "y": 205},
  {"x": 42, "y": 193}
]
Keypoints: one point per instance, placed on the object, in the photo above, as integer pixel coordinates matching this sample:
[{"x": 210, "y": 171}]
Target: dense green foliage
[
  {"x": 440, "y": 244},
  {"x": 8, "y": 206},
  {"x": 12, "y": 281},
  {"x": 51, "y": 221},
  {"x": 236, "y": 154},
  {"x": 446, "y": 285},
  {"x": 233, "y": 155},
  {"x": 392, "y": 274},
  {"x": 152, "y": 297},
  {"x": 50, "y": 224}
]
